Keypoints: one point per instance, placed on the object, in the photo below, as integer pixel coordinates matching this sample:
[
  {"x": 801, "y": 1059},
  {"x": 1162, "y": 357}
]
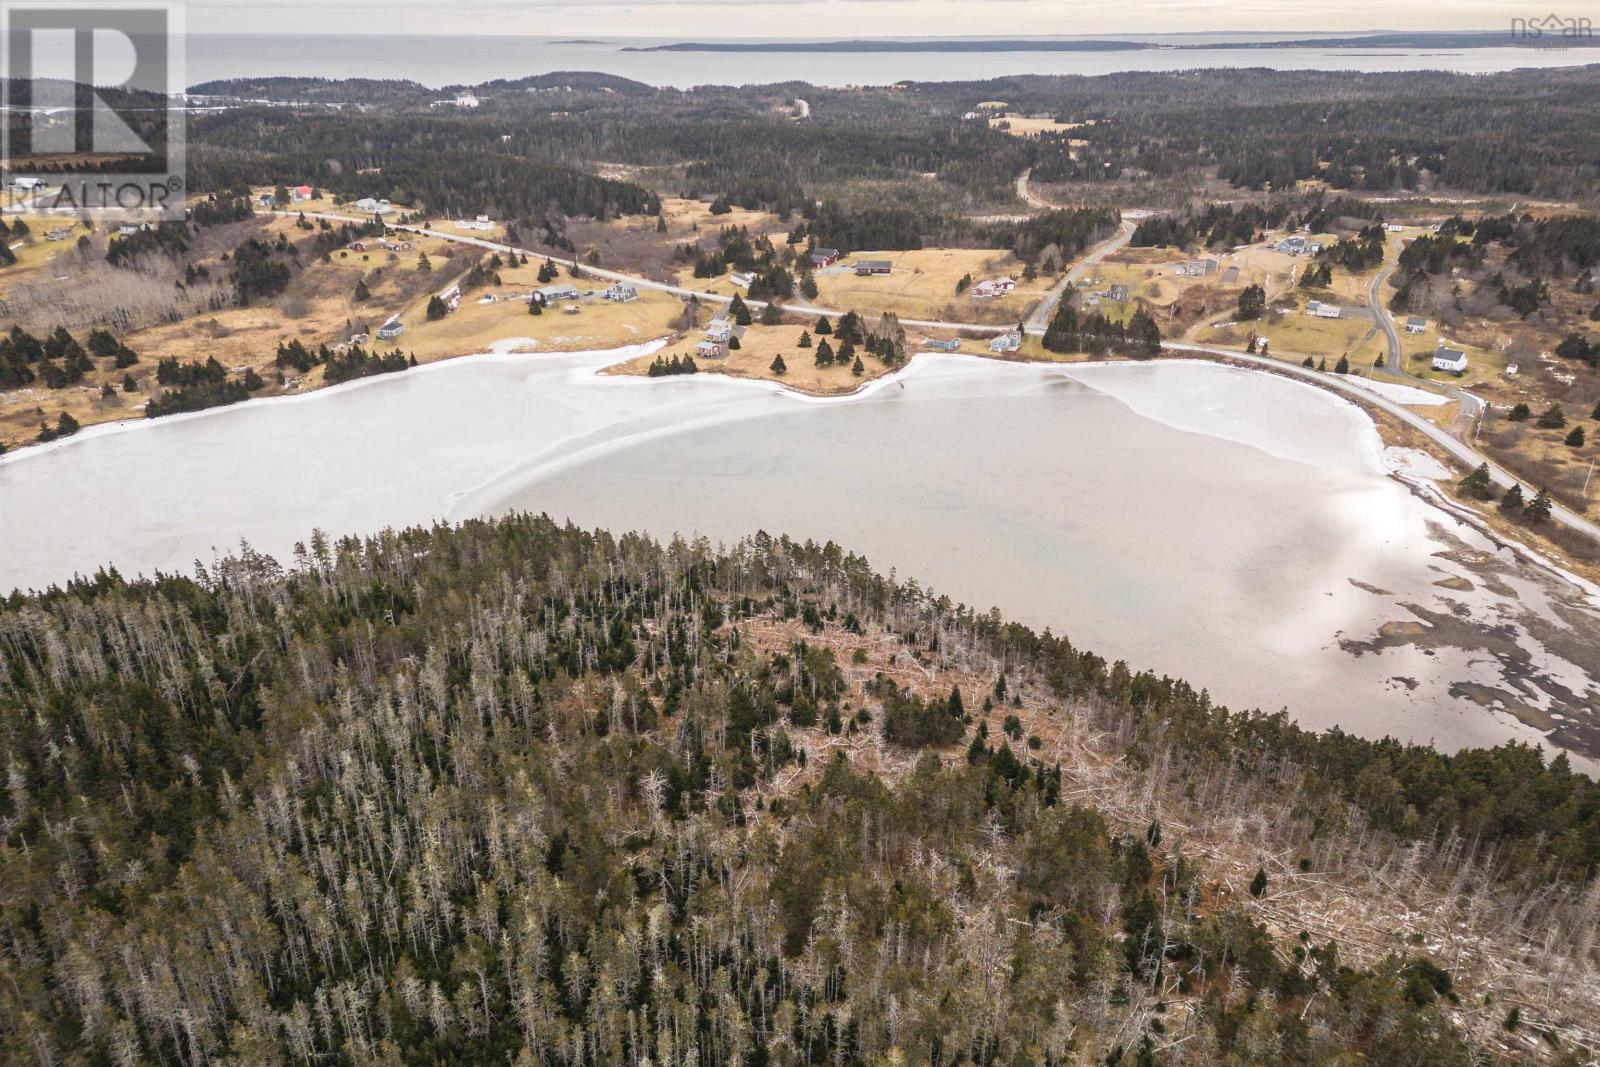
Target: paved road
[
  {"x": 1040, "y": 318},
  {"x": 1471, "y": 407},
  {"x": 1451, "y": 444},
  {"x": 1025, "y": 195},
  {"x": 642, "y": 283}
]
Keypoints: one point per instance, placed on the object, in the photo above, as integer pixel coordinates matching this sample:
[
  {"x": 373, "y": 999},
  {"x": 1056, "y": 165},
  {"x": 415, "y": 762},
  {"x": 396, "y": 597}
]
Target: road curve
[{"x": 1455, "y": 447}]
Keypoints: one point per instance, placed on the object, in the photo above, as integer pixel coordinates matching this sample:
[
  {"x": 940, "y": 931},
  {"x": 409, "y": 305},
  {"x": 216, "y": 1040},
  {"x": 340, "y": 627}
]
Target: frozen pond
[{"x": 1231, "y": 527}]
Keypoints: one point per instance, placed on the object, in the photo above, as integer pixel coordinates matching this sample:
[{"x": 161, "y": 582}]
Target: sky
[{"x": 706, "y": 19}]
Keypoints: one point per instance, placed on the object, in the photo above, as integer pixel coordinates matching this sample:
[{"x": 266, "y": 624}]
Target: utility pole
[{"x": 1586, "y": 478}]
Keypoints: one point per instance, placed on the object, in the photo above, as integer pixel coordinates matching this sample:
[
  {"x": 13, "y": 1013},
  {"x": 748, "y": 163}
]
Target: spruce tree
[
  {"x": 1252, "y": 302},
  {"x": 778, "y": 367},
  {"x": 1576, "y": 438},
  {"x": 1538, "y": 509},
  {"x": 857, "y": 369},
  {"x": 1553, "y": 418},
  {"x": 1512, "y": 502},
  {"x": 1519, "y": 413},
  {"x": 739, "y": 311},
  {"x": 362, "y": 292},
  {"x": 1477, "y": 484},
  {"x": 805, "y": 339},
  {"x": 1342, "y": 367},
  {"x": 1062, "y": 333},
  {"x": 1258, "y": 884},
  {"x": 823, "y": 326}
]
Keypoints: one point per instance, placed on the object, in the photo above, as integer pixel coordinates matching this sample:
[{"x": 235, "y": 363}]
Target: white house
[
  {"x": 622, "y": 292},
  {"x": 466, "y": 98},
  {"x": 369, "y": 206},
  {"x": 994, "y": 287},
  {"x": 1393, "y": 227},
  {"x": 1323, "y": 311},
  {"x": 741, "y": 279},
  {"x": 1006, "y": 343},
  {"x": 709, "y": 349},
  {"x": 1416, "y": 324},
  {"x": 1450, "y": 359},
  {"x": 391, "y": 329}
]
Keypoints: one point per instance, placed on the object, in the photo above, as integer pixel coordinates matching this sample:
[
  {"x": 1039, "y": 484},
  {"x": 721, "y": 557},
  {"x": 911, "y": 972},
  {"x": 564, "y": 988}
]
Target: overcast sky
[{"x": 701, "y": 19}]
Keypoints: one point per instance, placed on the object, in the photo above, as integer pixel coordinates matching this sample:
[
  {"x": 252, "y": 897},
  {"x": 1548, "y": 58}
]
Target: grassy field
[
  {"x": 923, "y": 286},
  {"x": 598, "y": 323},
  {"x": 1295, "y": 335},
  {"x": 1025, "y": 126},
  {"x": 36, "y": 250},
  {"x": 754, "y": 357}
]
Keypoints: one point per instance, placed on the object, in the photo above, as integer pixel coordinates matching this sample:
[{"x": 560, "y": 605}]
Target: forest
[
  {"x": 515, "y": 792},
  {"x": 531, "y": 144}
]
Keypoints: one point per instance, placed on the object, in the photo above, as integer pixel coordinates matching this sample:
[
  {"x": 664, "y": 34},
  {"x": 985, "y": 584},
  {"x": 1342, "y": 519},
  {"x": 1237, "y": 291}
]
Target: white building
[
  {"x": 1450, "y": 359},
  {"x": 1323, "y": 311},
  {"x": 1416, "y": 324},
  {"x": 368, "y": 206},
  {"x": 994, "y": 287},
  {"x": 1006, "y": 343},
  {"x": 622, "y": 292}
]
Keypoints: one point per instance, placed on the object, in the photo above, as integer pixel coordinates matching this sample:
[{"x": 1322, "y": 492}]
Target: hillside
[{"x": 511, "y": 792}]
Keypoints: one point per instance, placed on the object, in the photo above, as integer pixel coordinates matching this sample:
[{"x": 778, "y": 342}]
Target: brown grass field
[{"x": 923, "y": 286}]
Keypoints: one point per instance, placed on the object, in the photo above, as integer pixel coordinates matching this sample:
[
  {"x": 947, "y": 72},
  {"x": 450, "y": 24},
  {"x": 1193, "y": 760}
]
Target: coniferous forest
[{"x": 512, "y": 792}]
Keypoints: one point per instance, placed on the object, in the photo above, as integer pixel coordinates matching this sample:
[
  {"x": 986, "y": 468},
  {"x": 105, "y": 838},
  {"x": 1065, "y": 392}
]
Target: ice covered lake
[{"x": 1234, "y": 528}]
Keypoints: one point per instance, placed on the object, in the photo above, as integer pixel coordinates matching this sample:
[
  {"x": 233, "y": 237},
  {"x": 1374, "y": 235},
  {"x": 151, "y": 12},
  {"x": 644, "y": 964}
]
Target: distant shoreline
[{"x": 1428, "y": 40}]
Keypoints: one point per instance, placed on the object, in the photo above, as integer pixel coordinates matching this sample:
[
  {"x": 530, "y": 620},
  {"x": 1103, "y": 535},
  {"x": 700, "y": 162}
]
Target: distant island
[
  {"x": 1551, "y": 37},
  {"x": 952, "y": 44}
]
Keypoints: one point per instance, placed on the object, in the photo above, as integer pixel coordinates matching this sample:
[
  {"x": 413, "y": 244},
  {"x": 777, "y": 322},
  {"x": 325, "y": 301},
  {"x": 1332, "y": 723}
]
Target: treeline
[
  {"x": 1071, "y": 331},
  {"x": 1516, "y": 132},
  {"x": 513, "y": 791},
  {"x": 442, "y": 165},
  {"x": 342, "y": 364},
  {"x": 59, "y": 359},
  {"x": 195, "y": 386}
]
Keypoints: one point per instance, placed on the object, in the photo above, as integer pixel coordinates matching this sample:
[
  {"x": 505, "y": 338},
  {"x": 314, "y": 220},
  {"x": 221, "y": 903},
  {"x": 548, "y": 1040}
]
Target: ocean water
[
  {"x": 445, "y": 60},
  {"x": 1206, "y": 522}
]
